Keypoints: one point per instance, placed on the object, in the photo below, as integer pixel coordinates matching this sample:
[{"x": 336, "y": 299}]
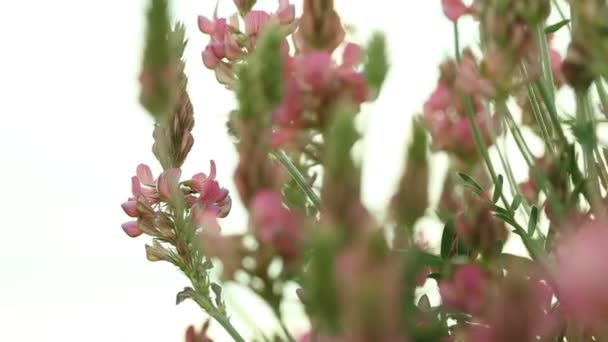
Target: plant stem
[
  {"x": 536, "y": 109},
  {"x": 225, "y": 322},
  {"x": 298, "y": 177},
  {"x": 456, "y": 41},
  {"x": 545, "y": 60}
]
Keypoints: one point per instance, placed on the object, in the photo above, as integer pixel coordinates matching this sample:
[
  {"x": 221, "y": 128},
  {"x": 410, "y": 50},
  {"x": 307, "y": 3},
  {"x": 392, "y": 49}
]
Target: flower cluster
[
  {"x": 228, "y": 44},
  {"x": 202, "y": 195}
]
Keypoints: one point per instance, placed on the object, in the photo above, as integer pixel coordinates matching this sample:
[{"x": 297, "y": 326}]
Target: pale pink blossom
[
  {"x": 168, "y": 184},
  {"x": 130, "y": 228},
  {"x": 275, "y": 224},
  {"x": 465, "y": 291},
  {"x": 454, "y": 9},
  {"x": 581, "y": 272}
]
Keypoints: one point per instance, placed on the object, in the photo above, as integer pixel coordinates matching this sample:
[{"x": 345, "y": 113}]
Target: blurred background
[{"x": 72, "y": 132}]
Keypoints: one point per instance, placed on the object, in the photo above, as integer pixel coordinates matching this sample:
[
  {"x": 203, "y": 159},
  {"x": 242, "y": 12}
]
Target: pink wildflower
[
  {"x": 582, "y": 272},
  {"x": 212, "y": 202},
  {"x": 465, "y": 291},
  {"x": 454, "y": 9},
  {"x": 275, "y": 224}
]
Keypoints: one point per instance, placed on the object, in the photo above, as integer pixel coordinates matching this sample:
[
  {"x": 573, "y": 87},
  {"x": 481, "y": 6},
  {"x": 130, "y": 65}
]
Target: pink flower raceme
[
  {"x": 275, "y": 224},
  {"x": 227, "y": 44},
  {"x": 581, "y": 272},
  {"x": 314, "y": 83},
  {"x": 465, "y": 291},
  {"x": 203, "y": 196},
  {"x": 445, "y": 112}
]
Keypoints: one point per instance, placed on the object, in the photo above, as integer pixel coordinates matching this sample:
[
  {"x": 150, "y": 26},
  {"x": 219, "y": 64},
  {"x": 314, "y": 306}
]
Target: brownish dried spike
[{"x": 173, "y": 139}]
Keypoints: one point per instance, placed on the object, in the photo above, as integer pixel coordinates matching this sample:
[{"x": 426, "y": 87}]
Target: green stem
[
  {"x": 545, "y": 60},
  {"x": 527, "y": 154},
  {"x": 225, "y": 323},
  {"x": 457, "y": 42},
  {"x": 583, "y": 115},
  {"x": 298, "y": 177},
  {"x": 601, "y": 91},
  {"x": 536, "y": 110}
]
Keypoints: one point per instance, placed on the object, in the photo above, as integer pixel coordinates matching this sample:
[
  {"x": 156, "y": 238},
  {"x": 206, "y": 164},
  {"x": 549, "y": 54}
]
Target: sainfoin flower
[
  {"x": 315, "y": 83},
  {"x": 581, "y": 272},
  {"x": 275, "y": 224},
  {"x": 202, "y": 195},
  {"x": 454, "y": 9},
  {"x": 465, "y": 291}
]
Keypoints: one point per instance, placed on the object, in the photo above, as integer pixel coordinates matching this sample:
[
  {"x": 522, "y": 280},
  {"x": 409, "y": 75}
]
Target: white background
[{"x": 72, "y": 133}]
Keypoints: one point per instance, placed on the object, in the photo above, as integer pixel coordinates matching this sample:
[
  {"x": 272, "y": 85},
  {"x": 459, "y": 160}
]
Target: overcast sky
[{"x": 72, "y": 133}]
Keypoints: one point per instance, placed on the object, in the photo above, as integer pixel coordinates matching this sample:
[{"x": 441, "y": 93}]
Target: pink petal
[
  {"x": 454, "y": 9},
  {"x": 209, "y": 58},
  {"x": 205, "y": 24},
  {"x": 135, "y": 187},
  {"x": 255, "y": 22},
  {"x": 286, "y": 14},
  {"x": 168, "y": 183},
  {"x": 212, "y": 169},
  {"x": 145, "y": 174},
  {"x": 130, "y": 228},
  {"x": 351, "y": 56},
  {"x": 232, "y": 48},
  {"x": 219, "y": 50},
  {"x": 130, "y": 208}
]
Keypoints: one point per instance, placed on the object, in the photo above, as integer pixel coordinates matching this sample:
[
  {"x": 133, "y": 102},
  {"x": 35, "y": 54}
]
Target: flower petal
[
  {"x": 351, "y": 56},
  {"x": 145, "y": 174},
  {"x": 130, "y": 208},
  {"x": 130, "y": 228},
  {"x": 168, "y": 183},
  {"x": 205, "y": 24}
]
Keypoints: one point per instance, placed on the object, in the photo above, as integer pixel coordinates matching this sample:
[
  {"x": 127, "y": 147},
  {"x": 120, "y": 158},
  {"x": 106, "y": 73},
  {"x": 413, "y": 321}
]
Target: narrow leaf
[
  {"x": 555, "y": 27},
  {"x": 447, "y": 239},
  {"x": 470, "y": 182},
  {"x": 498, "y": 189},
  {"x": 533, "y": 221},
  {"x": 516, "y": 203}
]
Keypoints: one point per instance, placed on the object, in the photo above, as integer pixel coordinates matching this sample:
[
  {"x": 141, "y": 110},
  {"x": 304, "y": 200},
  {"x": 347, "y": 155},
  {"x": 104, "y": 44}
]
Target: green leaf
[
  {"x": 506, "y": 218},
  {"x": 555, "y": 27},
  {"x": 497, "y": 189},
  {"x": 516, "y": 203},
  {"x": 447, "y": 239},
  {"x": 533, "y": 221},
  {"x": 470, "y": 182}
]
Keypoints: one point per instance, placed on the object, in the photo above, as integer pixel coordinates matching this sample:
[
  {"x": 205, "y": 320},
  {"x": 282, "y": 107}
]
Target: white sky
[{"x": 72, "y": 133}]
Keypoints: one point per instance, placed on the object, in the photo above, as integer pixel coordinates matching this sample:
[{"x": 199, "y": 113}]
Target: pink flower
[
  {"x": 255, "y": 21},
  {"x": 581, "y": 274},
  {"x": 143, "y": 189},
  {"x": 274, "y": 223},
  {"x": 454, "y": 9},
  {"x": 465, "y": 291},
  {"x": 168, "y": 184},
  {"x": 130, "y": 228},
  {"x": 212, "y": 201}
]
